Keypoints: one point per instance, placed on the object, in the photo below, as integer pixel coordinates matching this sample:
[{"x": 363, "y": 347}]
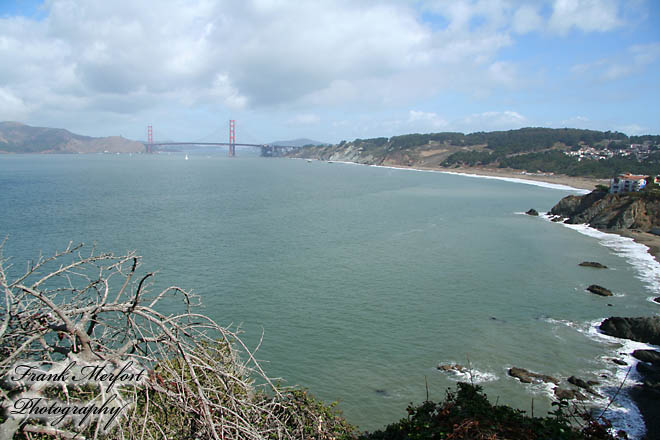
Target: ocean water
[{"x": 362, "y": 279}]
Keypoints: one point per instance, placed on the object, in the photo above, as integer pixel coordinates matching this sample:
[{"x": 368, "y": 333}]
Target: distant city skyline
[{"x": 331, "y": 70}]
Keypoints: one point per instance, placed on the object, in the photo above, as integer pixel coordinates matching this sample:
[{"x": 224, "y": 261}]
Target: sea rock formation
[
  {"x": 651, "y": 356},
  {"x": 595, "y": 264},
  {"x": 451, "y": 367},
  {"x": 599, "y": 290},
  {"x": 568, "y": 394},
  {"x": 530, "y": 377},
  {"x": 532, "y": 212},
  {"x": 641, "y": 329},
  {"x": 581, "y": 383},
  {"x": 602, "y": 210}
]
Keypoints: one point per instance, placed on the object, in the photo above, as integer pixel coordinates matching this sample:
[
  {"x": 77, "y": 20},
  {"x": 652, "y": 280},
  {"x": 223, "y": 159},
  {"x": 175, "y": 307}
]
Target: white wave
[
  {"x": 471, "y": 375},
  {"x": 525, "y": 181},
  {"x": 537, "y": 387},
  {"x": 646, "y": 267},
  {"x": 622, "y": 412},
  {"x": 581, "y": 327}
]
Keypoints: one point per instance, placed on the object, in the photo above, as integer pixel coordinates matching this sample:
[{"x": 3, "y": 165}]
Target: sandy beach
[
  {"x": 588, "y": 183},
  {"x": 649, "y": 240}
]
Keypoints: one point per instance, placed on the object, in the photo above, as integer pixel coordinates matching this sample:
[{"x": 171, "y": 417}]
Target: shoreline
[
  {"x": 650, "y": 242},
  {"x": 583, "y": 183},
  {"x": 577, "y": 183},
  {"x": 561, "y": 181}
]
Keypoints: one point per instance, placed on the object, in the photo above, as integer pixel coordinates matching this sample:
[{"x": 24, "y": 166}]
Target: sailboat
[{"x": 186, "y": 156}]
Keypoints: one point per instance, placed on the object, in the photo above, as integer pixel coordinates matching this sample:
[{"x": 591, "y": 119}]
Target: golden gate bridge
[{"x": 267, "y": 150}]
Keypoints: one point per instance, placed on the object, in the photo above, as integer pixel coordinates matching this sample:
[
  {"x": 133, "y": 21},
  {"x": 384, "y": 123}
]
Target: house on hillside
[{"x": 627, "y": 183}]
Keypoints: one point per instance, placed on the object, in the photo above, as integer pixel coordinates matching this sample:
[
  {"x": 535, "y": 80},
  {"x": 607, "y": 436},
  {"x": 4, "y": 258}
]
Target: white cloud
[
  {"x": 527, "y": 19},
  {"x": 305, "y": 119},
  {"x": 250, "y": 54},
  {"x": 503, "y": 72},
  {"x": 633, "y": 129},
  {"x": 644, "y": 54},
  {"x": 504, "y": 120},
  {"x": 429, "y": 120},
  {"x": 227, "y": 93},
  {"x": 100, "y": 63},
  {"x": 634, "y": 60},
  {"x": 11, "y": 107},
  {"x": 584, "y": 15}
]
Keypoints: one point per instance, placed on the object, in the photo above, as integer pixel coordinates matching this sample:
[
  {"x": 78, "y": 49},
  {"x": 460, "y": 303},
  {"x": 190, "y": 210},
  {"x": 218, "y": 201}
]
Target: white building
[{"x": 627, "y": 183}]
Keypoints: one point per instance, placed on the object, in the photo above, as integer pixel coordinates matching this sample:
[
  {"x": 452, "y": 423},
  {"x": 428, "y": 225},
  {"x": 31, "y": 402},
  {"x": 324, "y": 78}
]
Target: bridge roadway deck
[{"x": 159, "y": 144}]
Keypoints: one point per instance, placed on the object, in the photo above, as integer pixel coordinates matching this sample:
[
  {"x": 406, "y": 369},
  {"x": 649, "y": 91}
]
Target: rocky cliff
[
  {"x": 602, "y": 210},
  {"x": 350, "y": 152}
]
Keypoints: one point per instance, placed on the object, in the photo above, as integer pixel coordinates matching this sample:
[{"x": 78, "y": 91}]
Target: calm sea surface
[{"x": 362, "y": 279}]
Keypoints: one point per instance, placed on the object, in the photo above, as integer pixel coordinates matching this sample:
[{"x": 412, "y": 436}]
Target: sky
[{"x": 328, "y": 70}]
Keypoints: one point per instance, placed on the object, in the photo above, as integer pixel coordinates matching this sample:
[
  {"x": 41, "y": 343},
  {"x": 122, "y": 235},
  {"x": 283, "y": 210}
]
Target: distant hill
[
  {"x": 302, "y": 142},
  {"x": 570, "y": 151},
  {"x": 20, "y": 138}
]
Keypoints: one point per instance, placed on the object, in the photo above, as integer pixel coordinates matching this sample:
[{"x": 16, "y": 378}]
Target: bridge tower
[
  {"x": 150, "y": 139},
  {"x": 232, "y": 138}
]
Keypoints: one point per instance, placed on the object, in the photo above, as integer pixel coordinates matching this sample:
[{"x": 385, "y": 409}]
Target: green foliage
[
  {"x": 654, "y": 139},
  {"x": 370, "y": 143},
  {"x": 557, "y": 162},
  {"x": 470, "y": 158},
  {"x": 417, "y": 139},
  {"x": 511, "y": 141},
  {"x": 302, "y": 415},
  {"x": 532, "y": 149},
  {"x": 467, "y": 414}
]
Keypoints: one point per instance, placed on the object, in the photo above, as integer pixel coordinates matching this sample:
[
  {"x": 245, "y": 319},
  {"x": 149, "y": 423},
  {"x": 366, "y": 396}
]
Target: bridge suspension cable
[{"x": 266, "y": 150}]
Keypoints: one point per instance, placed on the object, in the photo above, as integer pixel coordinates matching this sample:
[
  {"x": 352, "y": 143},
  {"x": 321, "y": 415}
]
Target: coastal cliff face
[
  {"x": 367, "y": 153},
  {"x": 602, "y": 210},
  {"x": 352, "y": 153}
]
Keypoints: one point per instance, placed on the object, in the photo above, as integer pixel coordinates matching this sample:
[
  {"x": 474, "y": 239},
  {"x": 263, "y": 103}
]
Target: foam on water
[
  {"x": 472, "y": 375},
  {"x": 646, "y": 267},
  {"x": 525, "y": 181},
  {"x": 622, "y": 412}
]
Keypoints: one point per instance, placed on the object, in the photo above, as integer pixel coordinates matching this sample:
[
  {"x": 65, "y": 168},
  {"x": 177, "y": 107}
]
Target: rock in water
[
  {"x": 593, "y": 264},
  {"x": 583, "y": 384},
  {"x": 579, "y": 382},
  {"x": 564, "y": 393},
  {"x": 529, "y": 377},
  {"x": 532, "y": 212},
  {"x": 449, "y": 367},
  {"x": 651, "y": 356},
  {"x": 642, "y": 329},
  {"x": 599, "y": 290},
  {"x": 610, "y": 211}
]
